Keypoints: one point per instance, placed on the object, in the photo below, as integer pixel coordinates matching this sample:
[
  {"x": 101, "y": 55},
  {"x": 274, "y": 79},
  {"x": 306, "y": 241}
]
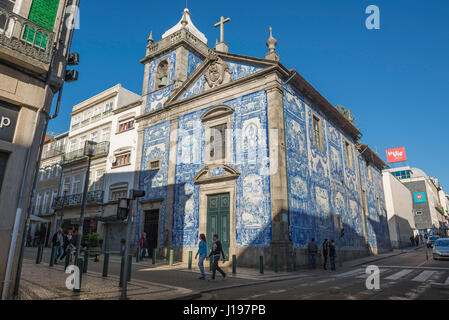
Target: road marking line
[
  {"x": 363, "y": 276},
  {"x": 399, "y": 274},
  {"x": 423, "y": 276}
]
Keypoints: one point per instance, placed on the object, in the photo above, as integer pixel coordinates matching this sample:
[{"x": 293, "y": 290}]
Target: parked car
[
  {"x": 441, "y": 249},
  {"x": 431, "y": 241}
]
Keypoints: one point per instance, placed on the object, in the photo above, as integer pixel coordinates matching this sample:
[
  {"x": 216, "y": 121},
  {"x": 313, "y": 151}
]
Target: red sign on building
[{"x": 396, "y": 155}]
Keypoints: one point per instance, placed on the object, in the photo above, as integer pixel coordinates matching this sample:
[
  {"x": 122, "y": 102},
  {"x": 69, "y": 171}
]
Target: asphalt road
[{"x": 408, "y": 276}]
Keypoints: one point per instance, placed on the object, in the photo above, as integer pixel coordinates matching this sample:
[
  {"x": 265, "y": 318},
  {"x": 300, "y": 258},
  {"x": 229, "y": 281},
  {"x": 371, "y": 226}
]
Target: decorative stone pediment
[
  {"x": 216, "y": 174},
  {"x": 217, "y": 73},
  {"x": 217, "y": 112}
]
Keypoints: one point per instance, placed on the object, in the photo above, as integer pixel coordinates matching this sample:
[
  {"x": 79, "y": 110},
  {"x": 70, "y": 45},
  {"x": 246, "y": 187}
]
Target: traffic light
[
  {"x": 71, "y": 75},
  {"x": 137, "y": 194},
  {"x": 73, "y": 59},
  {"x": 123, "y": 209}
]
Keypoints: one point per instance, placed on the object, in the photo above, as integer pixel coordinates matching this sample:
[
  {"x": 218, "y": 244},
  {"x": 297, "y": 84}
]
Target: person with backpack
[
  {"x": 312, "y": 249},
  {"x": 202, "y": 252},
  {"x": 217, "y": 250},
  {"x": 69, "y": 245}
]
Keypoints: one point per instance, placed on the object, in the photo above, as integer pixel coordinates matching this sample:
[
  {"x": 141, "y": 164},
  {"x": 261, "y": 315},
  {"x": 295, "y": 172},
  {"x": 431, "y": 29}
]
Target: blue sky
[{"x": 395, "y": 80}]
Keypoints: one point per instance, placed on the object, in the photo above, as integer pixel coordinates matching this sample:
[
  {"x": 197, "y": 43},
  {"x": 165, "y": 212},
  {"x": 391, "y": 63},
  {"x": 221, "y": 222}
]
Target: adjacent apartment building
[
  {"x": 109, "y": 120},
  {"x": 33, "y": 52},
  {"x": 429, "y": 205}
]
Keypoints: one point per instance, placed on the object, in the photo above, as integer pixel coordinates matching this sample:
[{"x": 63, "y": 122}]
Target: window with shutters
[
  {"x": 125, "y": 126},
  {"x": 122, "y": 160}
]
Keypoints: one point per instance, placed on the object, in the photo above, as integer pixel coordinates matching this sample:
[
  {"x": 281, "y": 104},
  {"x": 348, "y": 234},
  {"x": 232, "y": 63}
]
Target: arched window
[{"x": 162, "y": 74}]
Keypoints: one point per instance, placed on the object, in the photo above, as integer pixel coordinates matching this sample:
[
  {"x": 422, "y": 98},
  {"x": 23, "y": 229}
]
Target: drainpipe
[
  {"x": 19, "y": 207},
  {"x": 18, "y": 218}
]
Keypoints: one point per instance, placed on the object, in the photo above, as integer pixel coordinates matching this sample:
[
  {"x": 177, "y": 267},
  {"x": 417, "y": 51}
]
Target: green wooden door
[{"x": 218, "y": 221}]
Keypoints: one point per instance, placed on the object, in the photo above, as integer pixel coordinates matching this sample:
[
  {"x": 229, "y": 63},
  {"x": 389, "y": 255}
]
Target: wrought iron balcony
[
  {"x": 52, "y": 153},
  {"x": 26, "y": 37},
  {"x": 101, "y": 149},
  {"x": 74, "y": 200}
]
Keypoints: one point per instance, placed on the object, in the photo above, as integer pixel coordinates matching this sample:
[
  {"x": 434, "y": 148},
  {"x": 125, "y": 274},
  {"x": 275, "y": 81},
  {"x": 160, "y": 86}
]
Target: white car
[{"x": 441, "y": 249}]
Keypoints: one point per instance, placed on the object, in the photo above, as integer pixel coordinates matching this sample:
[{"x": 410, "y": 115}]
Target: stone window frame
[
  {"x": 216, "y": 116},
  {"x": 156, "y": 81},
  {"x": 320, "y": 132},
  {"x": 116, "y": 188},
  {"x": 122, "y": 153},
  {"x": 369, "y": 174},
  {"x": 378, "y": 205},
  {"x": 150, "y": 161}
]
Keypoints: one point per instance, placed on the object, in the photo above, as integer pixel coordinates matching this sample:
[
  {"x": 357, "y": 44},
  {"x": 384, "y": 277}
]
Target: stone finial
[
  {"x": 184, "y": 21},
  {"x": 271, "y": 44},
  {"x": 150, "y": 38}
]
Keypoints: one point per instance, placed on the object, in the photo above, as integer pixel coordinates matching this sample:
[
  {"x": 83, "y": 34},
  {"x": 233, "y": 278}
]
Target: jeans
[
  {"x": 201, "y": 265},
  {"x": 58, "y": 252},
  {"x": 215, "y": 267},
  {"x": 312, "y": 259},
  {"x": 143, "y": 253},
  {"x": 332, "y": 259}
]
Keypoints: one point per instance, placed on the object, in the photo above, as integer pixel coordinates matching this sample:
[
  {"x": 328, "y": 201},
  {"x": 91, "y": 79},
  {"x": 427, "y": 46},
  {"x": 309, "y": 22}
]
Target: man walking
[
  {"x": 417, "y": 240},
  {"x": 143, "y": 244},
  {"x": 312, "y": 249},
  {"x": 325, "y": 252},
  {"x": 332, "y": 255},
  {"x": 58, "y": 242},
  {"x": 217, "y": 250}
]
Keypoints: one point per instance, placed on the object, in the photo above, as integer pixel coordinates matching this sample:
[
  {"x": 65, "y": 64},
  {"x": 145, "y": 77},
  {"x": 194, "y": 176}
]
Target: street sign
[{"x": 419, "y": 197}]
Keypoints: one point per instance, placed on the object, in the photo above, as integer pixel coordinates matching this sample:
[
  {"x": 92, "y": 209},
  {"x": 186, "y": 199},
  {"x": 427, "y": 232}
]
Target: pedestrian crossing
[{"x": 421, "y": 275}]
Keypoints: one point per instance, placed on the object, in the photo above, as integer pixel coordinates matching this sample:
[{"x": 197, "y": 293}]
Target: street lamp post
[
  {"x": 134, "y": 194},
  {"x": 89, "y": 152},
  {"x": 61, "y": 221}
]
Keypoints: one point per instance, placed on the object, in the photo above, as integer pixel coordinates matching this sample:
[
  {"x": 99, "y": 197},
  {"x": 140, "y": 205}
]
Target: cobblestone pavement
[{"x": 41, "y": 282}]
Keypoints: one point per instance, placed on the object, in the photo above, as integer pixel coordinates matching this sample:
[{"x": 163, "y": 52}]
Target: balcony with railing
[
  {"x": 53, "y": 153},
  {"x": 24, "y": 42},
  {"x": 74, "y": 200},
  {"x": 101, "y": 149}
]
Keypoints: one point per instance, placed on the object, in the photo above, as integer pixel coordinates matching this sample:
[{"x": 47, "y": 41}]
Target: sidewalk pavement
[
  {"x": 43, "y": 282},
  {"x": 40, "y": 282}
]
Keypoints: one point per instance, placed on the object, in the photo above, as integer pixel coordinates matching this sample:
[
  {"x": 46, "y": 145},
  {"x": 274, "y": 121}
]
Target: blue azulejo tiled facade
[
  {"x": 275, "y": 188},
  {"x": 324, "y": 190}
]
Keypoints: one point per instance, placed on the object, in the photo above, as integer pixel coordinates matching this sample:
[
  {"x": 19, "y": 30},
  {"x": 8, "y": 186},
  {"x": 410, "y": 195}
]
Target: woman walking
[{"x": 202, "y": 252}]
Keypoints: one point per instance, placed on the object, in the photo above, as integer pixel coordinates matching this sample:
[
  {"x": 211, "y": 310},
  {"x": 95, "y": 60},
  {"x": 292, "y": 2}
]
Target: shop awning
[{"x": 38, "y": 219}]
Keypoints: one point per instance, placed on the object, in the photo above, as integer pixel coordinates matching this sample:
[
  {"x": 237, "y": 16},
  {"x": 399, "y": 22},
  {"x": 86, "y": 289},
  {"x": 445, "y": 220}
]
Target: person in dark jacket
[
  {"x": 144, "y": 245},
  {"x": 332, "y": 255},
  {"x": 217, "y": 250},
  {"x": 325, "y": 249},
  {"x": 312, "y": 249},
  {"x": 412, "y": 241},
  {"x": 58, "y": 243},
  {"x": 69, "y": 245},
  {"x": 417, "y": 240}
]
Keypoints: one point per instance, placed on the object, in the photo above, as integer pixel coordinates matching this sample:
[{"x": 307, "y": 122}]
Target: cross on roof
[{"x": 221, "y": 25}]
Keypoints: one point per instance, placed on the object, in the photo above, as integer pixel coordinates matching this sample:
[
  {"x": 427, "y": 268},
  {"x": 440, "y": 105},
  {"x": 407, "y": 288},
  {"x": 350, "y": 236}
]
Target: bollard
[
  {"x": 130, "y": 264},
  {"x": 137, "y": 254},
  {"x": 52, "y": 256},
  {"x": 122, "y": 267},
  {"x": 190, "y": 260},
  {"x": 154, "y": 256},
  {"x": 80, "y": 266},
  {"x": 105, "y": 264},
  {"x": 42, "y": 253},
  {"x": 39, "y": 248},
  {"x": 86, "y": 261},
  {"x": 234, "y": 264},
  {"x": 67, "y": 261},
  {"x": 261, "y": 264},
  {"x": 276, "y": 268},
  {"x": 170, "y": 262}
]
